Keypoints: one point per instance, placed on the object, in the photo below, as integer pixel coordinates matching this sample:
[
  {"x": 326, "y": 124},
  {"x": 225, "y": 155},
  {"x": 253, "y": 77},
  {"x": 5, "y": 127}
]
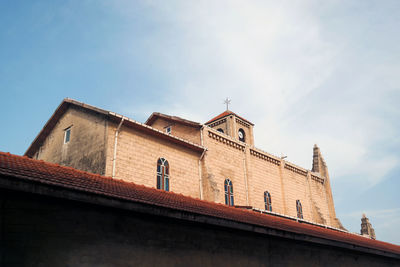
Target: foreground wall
[{"x": 43, "y": 231}]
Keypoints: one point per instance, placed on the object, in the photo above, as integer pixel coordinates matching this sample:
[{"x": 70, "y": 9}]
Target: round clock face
[{"x": 240, "y": 134}]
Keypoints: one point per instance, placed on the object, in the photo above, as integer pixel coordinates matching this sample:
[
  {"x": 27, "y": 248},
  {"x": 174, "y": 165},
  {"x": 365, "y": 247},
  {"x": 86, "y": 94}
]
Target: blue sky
[{"x": 305, "y": 72}]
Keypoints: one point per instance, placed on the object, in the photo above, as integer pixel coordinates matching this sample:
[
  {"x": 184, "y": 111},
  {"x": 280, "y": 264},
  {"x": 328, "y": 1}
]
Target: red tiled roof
[
  {"x": 156, "y": 115},
  {"x": 24, "y": 168},
  {"x": 227, "y": 113}
]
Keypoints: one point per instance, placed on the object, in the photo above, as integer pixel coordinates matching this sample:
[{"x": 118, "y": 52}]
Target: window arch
[
  {"x": 228, "y": 192},
  {"x": 162, "y": 174},
  {"x": 220, "y": 130},
  {"x": 299, "y": 209},
  {"x": 242, "y": 135},
  {"x": 267, "y": 201}
]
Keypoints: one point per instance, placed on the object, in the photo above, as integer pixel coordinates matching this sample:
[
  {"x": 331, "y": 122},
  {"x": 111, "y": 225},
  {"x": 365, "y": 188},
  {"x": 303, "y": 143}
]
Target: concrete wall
[
  {"x": 87, "y": 146},
  {"x": 43, "y": 231},
  {"x": 137, "y": 155}
]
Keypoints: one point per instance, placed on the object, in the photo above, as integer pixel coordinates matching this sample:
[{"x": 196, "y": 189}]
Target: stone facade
[
  {"x": 366, "y": 227},
  {"x": 201, "y": 158}
]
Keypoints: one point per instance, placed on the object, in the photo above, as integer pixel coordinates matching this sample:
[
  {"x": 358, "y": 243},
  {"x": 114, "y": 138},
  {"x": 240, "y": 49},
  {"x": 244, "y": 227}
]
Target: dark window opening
[
  {"x": 67, "y": 135},
  {"x": 228, "y": 192},
  {"x": 267, "y": 201},
  {"x": 220, "y": 130},
  {"x": 299, "y": 209},
  {"x": 162, "y": 174}
]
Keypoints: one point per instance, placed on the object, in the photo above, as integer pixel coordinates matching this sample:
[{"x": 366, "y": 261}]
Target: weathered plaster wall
[
  {"x": 43, "y": 231},
  {"x": 86, "y": 148}
]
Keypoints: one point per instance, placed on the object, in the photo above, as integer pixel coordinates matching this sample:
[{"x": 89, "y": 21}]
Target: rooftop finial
[{"x": 227, "y": 102}]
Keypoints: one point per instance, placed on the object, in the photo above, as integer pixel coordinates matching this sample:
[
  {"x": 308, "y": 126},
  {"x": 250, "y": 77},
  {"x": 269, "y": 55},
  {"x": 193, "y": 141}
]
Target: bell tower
[{"x": 233, "y": 125}]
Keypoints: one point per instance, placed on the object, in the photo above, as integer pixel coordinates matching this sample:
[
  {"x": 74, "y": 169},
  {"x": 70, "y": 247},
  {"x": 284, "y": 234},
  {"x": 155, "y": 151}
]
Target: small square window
[
  {"x": 67, "y": 135},
  {"x": 168, "y": 130}
]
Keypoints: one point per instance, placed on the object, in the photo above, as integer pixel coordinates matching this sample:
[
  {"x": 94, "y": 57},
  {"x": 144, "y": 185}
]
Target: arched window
[
  {"x": 267, "y": 201},
  {"x": 299, "y": 209},
  {"x": 162, "y": 174},
  {"x": 228, "y": 192},
  {"x": 220, "y": 130},
  {"x": 241, "y": 135}
]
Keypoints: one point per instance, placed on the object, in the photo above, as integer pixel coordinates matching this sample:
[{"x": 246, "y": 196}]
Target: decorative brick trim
[
  {"x": 242, "y": 123},
  {"x": 295, "y": 169},
  {"x": 225, "y": 141},
  {"x": 217, "y": 123},
  {"x": 318, "y": 179},
  {"x": 265, "y": 157}
]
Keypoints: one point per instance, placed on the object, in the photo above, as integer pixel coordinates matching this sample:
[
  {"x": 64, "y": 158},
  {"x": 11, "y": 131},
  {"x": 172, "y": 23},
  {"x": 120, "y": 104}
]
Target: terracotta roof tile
[{"x": 18, "y": 167}]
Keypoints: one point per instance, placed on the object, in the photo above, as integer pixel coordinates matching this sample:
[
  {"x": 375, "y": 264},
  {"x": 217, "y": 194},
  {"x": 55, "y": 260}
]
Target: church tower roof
[{"x": 225, "y": 114}]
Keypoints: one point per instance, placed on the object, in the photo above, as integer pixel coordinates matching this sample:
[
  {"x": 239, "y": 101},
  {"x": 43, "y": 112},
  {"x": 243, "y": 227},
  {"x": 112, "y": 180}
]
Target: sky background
[{"x": 304, "y": 72}]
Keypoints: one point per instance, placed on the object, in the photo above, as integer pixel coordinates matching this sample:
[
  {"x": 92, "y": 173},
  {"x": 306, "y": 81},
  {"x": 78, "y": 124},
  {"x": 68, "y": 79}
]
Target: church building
[{"x": 215, "y": 161}]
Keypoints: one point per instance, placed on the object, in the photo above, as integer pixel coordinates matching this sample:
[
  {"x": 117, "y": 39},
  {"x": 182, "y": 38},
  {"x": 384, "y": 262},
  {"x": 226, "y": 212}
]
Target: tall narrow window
[
  {"x": 168, "y": 130},
  {"x": 267, "y": 201},
  {"x": 299, "y": 209},
  {"x": 228, "y": 192},
  {"x": 162, "y": 174},
  {"x": 67, "y": 135}
]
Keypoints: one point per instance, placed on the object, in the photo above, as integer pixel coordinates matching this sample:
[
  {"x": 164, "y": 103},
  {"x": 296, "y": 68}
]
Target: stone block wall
[
  {"x": 264, "y": 175},
  {"x": 224, "y": 159},
  {"x": 137, "y": 155}
]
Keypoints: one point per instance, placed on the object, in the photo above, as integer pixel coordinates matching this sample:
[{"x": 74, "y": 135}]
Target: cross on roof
[{"x": 227, "y": 102}]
